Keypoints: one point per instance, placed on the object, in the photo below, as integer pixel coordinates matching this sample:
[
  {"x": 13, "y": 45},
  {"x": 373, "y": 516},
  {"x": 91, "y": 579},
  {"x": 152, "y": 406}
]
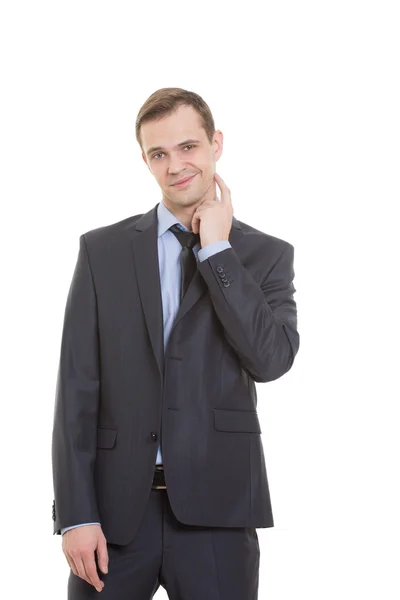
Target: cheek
[{"x": 160, "y": 177}]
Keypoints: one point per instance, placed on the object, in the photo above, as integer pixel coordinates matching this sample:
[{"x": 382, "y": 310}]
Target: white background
[{"x": 307, "y": 96}]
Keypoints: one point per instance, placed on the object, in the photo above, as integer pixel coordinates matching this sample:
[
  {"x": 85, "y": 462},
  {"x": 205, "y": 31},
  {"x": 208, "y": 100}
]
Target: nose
[{"x": 175, "y": 165}]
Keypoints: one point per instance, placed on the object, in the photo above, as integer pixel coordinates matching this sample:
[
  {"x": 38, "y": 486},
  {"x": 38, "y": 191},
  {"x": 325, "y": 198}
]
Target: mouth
[{"x": 185, "y": 182}]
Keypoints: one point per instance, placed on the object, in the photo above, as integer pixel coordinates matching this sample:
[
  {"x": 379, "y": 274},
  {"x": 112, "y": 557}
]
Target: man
[{"x": 171, "y": 318}]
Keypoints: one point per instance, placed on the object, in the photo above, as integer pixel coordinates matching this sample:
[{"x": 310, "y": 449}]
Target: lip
[{"x": 185, "y": 182}]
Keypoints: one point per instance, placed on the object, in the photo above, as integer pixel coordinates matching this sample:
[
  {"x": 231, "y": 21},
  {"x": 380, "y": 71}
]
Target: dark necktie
[{"x": 188, "y": 239}]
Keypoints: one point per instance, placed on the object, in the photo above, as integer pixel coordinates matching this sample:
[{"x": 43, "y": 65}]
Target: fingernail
[{"x": 105, "y": 569}]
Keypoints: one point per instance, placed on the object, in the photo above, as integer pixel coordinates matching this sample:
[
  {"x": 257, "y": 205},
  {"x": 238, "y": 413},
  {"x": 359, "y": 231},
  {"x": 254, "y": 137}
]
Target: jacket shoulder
[
  {"x": 266, "y": 240},
  {"x": 107, "y": 233}
]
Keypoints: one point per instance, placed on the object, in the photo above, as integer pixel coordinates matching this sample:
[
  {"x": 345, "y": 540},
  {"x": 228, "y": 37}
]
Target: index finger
[
  {"x": 222, "y": 185},
  {"x": 219, "y": 179}
]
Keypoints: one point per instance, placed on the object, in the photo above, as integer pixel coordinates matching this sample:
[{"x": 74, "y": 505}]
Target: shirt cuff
[
  {"x": 211, "y": 249},
  {"x": 64, "y": 529}
]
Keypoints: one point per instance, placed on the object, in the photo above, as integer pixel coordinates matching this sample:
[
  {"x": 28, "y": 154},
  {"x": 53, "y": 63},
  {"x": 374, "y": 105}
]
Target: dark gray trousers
[{"x": 189, "y": 561}]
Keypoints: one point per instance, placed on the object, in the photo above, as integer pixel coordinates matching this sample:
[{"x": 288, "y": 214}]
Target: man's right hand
[{"x": 79, "y": 545}]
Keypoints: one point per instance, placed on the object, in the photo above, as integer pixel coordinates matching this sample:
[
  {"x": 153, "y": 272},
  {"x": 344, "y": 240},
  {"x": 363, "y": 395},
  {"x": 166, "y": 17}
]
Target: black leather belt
[{"x": 158, "y": 478}]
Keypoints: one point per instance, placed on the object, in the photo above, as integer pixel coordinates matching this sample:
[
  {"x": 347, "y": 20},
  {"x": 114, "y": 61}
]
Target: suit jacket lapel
[{"x": 145, "y": 254}]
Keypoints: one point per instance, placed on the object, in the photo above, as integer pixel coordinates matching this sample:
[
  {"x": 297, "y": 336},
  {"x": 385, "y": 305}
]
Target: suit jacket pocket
[
  {"x": 236, "y": 420},
  {"x": 106, "y": 437}
]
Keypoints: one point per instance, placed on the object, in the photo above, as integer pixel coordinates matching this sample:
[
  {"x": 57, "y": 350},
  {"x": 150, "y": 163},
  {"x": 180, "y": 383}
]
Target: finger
[
  {"x": 91, "y": 570},
  {"x": 219, "y": 180},
  {"x": 207, "y": 204},
  {"x": 80, "y": 567},
  {"x": 194, "y": 224},
  {"x": 71, "y": 563},
  {"x": 102, "y": 555},
  {"x": 225, "y": 191}
]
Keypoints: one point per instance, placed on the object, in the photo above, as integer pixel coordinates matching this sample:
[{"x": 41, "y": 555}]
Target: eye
[{"x": 188, "y": 146}]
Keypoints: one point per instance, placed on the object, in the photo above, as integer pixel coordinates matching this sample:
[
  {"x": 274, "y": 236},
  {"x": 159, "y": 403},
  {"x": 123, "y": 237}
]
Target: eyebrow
[{"x": 153, "y": 148}]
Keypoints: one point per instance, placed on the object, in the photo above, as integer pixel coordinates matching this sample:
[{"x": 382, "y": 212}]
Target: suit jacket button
[
  {"x": 220, "y": 269},
  {"x": 227, "y": 284},
  {"x": 153, "y": 436}
]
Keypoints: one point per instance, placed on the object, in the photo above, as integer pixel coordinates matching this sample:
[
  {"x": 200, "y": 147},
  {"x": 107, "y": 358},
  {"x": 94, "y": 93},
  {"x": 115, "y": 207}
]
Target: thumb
[
  {"x": 194, "y": 224},
  {"x": 102, "y": 554}
]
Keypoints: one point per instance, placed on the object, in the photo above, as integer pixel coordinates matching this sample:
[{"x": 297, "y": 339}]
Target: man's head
[{"x": 176, "y": 132}]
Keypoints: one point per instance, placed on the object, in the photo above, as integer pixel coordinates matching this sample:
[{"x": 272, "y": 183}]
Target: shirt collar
[{"x": 166, "y": 218}]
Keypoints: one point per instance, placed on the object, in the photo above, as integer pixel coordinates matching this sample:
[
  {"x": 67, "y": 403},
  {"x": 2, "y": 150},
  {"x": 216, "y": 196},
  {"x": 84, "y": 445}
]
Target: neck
[{"x": 184, "y": 214}]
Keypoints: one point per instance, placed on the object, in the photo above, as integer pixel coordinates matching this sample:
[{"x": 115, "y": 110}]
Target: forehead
[{"x": 184, "y": 123}]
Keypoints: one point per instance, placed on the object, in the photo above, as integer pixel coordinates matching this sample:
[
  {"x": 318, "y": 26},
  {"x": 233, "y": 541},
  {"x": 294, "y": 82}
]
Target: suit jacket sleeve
[
  {"x": 76, "y": 405},
  {"x": 259, "y": 319}
]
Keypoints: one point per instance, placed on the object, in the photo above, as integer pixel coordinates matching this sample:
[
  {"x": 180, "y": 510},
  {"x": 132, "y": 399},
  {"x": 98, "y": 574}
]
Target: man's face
[{"x": 173, "y": 160}]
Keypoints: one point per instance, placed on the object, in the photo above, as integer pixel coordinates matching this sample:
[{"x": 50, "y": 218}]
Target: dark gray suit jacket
[{"x": 236, "y": 325}]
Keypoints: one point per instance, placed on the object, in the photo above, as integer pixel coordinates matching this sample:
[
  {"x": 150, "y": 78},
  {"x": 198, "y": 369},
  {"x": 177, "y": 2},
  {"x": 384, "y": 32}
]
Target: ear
[{"x": 218, "y": 144}]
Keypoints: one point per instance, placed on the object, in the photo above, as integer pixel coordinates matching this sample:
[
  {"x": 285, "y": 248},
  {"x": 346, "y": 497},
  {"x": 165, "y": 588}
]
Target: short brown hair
[{"x": 165, "y": 100}]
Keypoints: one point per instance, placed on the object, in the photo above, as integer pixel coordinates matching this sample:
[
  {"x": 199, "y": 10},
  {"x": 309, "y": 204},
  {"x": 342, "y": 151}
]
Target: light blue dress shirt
[{"x": 169, "y": 250}]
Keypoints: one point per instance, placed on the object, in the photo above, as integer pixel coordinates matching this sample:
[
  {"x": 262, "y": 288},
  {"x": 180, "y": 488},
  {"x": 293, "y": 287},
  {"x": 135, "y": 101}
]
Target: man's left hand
[{"x": 213, "y": 218}]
